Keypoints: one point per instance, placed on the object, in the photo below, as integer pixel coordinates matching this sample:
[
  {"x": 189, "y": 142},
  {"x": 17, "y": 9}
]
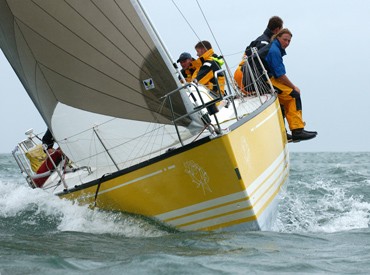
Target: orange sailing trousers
[{"x": 291, "y": 100}]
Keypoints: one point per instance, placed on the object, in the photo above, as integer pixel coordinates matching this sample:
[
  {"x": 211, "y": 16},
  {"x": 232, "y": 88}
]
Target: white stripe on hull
[
  {"x": 135, "y": 180},
  {"x": 213, "y": 220},
  {"x": 219, "y": 220},
  {"x": 263, "y": 121},
  {"x": 201, "y": 206},
  {"x": 214, "y": 212}
]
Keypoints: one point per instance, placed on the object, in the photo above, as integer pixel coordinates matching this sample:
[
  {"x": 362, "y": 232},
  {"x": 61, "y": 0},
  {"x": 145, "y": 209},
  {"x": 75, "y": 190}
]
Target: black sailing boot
[
  {"x": 313, "y": 132},
  {"x": 288, "y": 137},
  {"x": 301, "y": 134}
]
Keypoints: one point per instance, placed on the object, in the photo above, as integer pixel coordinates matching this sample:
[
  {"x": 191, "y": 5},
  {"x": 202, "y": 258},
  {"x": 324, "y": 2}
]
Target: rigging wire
[
  {"x": 231, "y": 54},
  {"x": 183, "y": 16},
  {"x": 210, "y": 29},
  {"x": 214, "y": 37}
]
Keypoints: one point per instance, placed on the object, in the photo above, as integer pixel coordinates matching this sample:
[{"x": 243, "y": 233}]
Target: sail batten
[{"x": 100, "y": 32}]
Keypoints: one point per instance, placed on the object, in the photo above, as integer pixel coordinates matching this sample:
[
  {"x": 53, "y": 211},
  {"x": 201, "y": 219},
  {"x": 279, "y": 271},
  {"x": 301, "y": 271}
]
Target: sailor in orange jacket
[
  {"x": 210, "y": 63},
  {"x": 238, "y": 75}
]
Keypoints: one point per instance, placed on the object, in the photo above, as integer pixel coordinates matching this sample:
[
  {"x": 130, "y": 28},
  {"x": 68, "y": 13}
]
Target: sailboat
[{"x": 133, "y": 137}]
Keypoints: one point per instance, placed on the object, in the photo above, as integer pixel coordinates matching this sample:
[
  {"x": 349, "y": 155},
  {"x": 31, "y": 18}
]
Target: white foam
[
  {"x": 352, "y": 214},
  {"x": 16, "y": 198}
]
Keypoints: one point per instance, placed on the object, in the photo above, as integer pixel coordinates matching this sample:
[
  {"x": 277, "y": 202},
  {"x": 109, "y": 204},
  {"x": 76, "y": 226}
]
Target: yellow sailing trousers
[{"x": 291, "y": 100}]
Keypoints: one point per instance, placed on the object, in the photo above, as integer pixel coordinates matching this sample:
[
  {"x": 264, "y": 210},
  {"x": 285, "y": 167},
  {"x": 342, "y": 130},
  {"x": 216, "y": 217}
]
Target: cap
[{"x": 184, "y": 56}]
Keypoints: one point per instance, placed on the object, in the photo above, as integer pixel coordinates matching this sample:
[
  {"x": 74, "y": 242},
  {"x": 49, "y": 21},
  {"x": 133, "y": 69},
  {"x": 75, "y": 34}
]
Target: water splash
[
  {"x": 37, "y": 210},
  {"x": 331, "y": 196}
]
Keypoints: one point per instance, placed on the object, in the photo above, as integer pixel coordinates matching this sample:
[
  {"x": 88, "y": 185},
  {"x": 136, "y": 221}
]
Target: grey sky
[{"x": 327, "y": 59}]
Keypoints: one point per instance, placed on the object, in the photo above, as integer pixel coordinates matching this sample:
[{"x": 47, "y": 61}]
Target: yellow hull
[{"x": 230, "y": 182}]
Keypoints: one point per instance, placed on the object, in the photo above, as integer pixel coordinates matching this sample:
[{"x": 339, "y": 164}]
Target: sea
[{"x": 322, "y": 227}]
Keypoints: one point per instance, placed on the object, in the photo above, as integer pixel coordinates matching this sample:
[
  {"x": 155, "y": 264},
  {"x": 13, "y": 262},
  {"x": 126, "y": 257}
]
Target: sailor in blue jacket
[{"x": 288, "y": 94}]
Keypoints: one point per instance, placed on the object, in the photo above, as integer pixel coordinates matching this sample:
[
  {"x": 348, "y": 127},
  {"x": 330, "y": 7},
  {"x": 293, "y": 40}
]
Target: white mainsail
[{"x": 95, "y": 71}]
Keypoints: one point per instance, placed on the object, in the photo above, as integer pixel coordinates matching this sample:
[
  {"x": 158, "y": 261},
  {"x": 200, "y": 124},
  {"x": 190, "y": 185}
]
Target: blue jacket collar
[{"x": 277, "y": 43}]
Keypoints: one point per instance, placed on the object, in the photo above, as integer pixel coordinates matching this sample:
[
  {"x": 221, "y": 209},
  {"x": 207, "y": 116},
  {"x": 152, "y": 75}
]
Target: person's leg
[{"x": 291, "y": 100}]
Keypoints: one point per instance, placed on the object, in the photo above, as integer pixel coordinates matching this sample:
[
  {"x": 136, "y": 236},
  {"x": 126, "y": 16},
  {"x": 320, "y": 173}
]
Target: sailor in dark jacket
[
  {"x": 48, "y": 140},
  {"x": 243, "y": 79},
  {"x": 274, "y": 25}
]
